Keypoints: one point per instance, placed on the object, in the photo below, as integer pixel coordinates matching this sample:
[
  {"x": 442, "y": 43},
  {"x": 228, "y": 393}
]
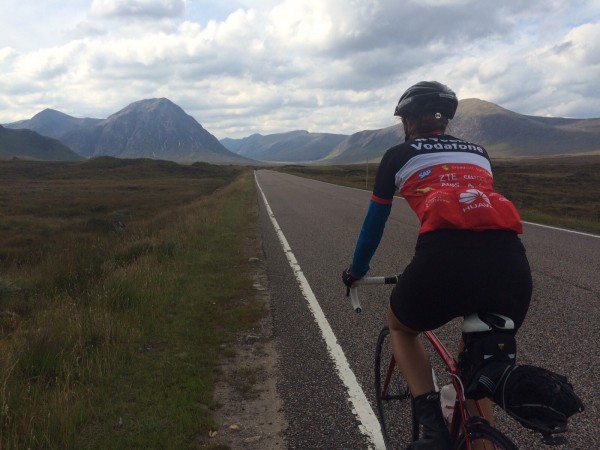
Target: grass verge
[{"x": 110, "y": 337}]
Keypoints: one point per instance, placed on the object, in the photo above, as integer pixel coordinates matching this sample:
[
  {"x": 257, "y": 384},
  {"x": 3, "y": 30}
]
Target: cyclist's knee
[{"x": 396, "y": 326}]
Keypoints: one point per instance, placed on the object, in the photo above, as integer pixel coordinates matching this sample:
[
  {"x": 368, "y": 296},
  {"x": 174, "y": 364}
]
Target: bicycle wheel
[
  {"x": 483, "y": 436},
  {"x": 394, "y": 402}
]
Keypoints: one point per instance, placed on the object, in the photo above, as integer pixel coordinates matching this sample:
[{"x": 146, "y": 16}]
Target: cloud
[
  {"x": 7, "y": 54},
  {"x": 265, "y": 66},
  {"x": 584, "y": 41},
  {"x": 144, "y": 9}
]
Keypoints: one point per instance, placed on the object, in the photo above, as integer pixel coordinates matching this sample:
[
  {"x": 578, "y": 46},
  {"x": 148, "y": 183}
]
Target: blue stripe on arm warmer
[{"x": 370, "y": 236}]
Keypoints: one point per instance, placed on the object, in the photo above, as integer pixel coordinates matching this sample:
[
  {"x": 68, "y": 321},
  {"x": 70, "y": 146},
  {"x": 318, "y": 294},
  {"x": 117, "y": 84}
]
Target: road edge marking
[{"x": 368, "y": 422}]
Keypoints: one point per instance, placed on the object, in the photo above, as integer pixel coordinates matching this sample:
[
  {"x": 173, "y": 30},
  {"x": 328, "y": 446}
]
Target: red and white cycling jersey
[{"x": 448, "y": 183}]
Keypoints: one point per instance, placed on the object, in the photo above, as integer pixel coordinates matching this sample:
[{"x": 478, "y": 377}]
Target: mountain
[
  {"x": 293, "y": 146},
  {"x": 506, "y": 133},
  {"x": 157, "y": 128},
  {"x": 365, "y": 145},
  {"x": 28, "y": 144},
  {"x": 154, "y": 128},
  {"x": 52, "y": 123},
  {"x": 502, "y": 132}
]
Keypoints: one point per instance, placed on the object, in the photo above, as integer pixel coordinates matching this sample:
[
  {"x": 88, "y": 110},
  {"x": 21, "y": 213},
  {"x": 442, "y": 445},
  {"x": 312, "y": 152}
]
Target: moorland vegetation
[{"x": 120, "y": 281}]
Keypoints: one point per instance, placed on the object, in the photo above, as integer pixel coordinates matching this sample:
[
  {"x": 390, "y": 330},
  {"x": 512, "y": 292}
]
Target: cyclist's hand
[{"x": 348, "y": 277}]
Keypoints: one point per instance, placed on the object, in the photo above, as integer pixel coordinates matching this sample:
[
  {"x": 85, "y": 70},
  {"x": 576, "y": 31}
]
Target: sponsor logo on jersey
[
  {"x": 445, "y": 144},
  {"x": 472, "y": 195},
  {"x": 473, "y": 199},
  {"x": 425, "y": 173},
  {"x": 424, "y": 190}
]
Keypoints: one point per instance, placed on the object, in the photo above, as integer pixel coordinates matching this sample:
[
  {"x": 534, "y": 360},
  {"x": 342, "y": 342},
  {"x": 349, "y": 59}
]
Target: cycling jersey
[{"x": 447, "y": 182}]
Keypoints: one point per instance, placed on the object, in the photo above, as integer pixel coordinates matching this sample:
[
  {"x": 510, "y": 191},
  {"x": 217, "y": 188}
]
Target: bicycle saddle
[{"x": 478, "y": 322}]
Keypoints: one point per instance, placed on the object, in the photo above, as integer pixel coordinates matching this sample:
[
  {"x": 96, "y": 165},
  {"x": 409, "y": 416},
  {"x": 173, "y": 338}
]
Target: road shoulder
[{"x": 251, "y": 413}]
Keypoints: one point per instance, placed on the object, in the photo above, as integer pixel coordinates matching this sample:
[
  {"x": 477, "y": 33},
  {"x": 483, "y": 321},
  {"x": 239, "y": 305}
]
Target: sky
[{"x": 241, "y": 67}]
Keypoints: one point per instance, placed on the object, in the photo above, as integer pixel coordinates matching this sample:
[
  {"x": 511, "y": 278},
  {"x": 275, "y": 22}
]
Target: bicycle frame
[{"x": 460, "y": 415}]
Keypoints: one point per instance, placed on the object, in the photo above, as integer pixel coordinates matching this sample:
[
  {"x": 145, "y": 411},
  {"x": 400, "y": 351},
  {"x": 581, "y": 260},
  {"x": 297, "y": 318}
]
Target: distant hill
[
  {"x": 152, "y": 128},
  {"x": 365, "y": 145},
  {"x": 502, "y": 132},
  {"x": 52, "y": 123},
  {"x": 294, "y": 146},
  {"x": 27, "y": 144}
]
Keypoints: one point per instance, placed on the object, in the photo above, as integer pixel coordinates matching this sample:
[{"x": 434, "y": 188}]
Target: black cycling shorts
[{"x": 459, "y": 272}]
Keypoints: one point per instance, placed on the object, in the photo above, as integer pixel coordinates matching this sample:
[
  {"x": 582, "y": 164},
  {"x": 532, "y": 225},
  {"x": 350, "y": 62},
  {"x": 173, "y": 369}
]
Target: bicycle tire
[
  {"x": 395, "y": 405},
  {"x": 485, "y": 433}
]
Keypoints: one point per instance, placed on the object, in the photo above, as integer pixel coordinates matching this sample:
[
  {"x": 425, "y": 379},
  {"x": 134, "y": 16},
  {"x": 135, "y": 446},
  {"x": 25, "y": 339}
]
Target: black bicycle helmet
[{"x": 427, "y": 96}]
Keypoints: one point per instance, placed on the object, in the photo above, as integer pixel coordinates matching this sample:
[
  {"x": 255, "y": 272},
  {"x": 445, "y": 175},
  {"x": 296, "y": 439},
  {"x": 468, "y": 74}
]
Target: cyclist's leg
[
  {"x": 410, "y": 356},
  {"x": 413, "y": 362}
]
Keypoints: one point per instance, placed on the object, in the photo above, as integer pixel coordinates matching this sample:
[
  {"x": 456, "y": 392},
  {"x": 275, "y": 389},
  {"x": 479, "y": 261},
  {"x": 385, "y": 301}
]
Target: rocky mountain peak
[{"x": 151, "y": 128}]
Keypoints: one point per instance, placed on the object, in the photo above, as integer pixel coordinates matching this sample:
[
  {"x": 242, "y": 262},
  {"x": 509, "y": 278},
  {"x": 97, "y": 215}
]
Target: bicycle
[{"x": 399, "y": 423}]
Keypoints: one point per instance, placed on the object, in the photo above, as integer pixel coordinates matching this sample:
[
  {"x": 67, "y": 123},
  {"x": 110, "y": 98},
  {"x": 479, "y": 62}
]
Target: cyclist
[{"x": 468, "y": 257}]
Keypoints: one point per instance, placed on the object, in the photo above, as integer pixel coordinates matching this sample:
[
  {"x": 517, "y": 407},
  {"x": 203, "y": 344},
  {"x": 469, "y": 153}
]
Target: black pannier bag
[{"x": 537, "y": 398}]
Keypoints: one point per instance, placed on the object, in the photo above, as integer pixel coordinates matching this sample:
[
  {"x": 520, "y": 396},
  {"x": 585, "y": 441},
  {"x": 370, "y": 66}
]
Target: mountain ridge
[
  {"x": 502, "y": 132},
  {"x": 54, "y": 124},
  {"x": 292, "y": 146},
  {"x": 158, "y": 128}
]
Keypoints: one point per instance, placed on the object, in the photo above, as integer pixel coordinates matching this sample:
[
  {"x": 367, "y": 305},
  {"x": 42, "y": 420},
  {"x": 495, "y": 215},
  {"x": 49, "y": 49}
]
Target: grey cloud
[
  {"x": 138, "y": 9},
  {"x": 122, "y": 70},
  {"x": 562, "y": 48},
  {"x": 235, "y": 61},
  {"x": 415, "y": 24},
  {"x": 85, "y": 30}
]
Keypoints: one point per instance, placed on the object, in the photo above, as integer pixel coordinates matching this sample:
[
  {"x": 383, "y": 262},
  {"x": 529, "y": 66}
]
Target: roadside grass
[
  {"x": 559, "y": 191},
  {"x": 119, "y": 283},
  {"x": 556, "y": 191}
]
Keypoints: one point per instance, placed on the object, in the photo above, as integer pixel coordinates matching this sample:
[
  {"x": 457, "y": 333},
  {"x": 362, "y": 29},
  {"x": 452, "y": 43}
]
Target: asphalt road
[{"x": 320, "y": 222}]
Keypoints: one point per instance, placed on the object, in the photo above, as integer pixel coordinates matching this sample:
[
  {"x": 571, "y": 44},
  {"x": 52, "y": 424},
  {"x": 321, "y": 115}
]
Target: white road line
[
  {"x": 562, "y": 229},
  {"x": 368, "y": 423}
]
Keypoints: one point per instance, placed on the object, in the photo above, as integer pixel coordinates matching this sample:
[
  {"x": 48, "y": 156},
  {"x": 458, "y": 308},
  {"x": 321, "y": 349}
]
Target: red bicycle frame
[{"x": 460, "y": 415}]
